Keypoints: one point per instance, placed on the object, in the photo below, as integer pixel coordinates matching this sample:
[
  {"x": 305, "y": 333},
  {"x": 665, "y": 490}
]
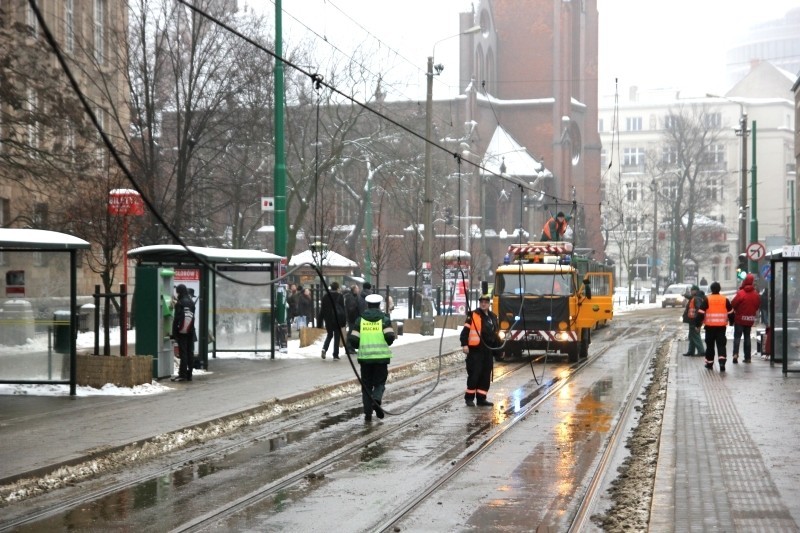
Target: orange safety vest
[
  {"x": 717, "y": 311},
  {"x": 692, "y": 312},
  {"x": 475, "y": 326},
  {"x": 560, "y": 228}
]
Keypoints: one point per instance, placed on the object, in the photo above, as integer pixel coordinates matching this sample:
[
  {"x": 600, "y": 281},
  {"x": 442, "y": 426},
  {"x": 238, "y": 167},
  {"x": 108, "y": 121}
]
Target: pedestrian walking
[
  {"x": 332, "y": 314},
  {"x": 366, "y": 290},
  {"x": 746, "y": 304},
  {"x": 694, "y": 302},
  {"x": 351, "y": 303},
  {"x": 291, "y": 303},
  {"x": 478, "y": 337},
  {"x": 716, "y": 313},
  {"x": 371, "y": 335},
  {"x": 305, "y": 307},
  {"x": 183, "y": 332}
]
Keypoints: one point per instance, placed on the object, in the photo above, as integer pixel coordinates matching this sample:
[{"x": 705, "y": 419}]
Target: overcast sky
[{"x": 679, "y": 44}]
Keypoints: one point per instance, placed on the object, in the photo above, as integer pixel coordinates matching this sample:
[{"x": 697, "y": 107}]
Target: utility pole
[
  {"x": 427, "y": 214},
  {"x": 280, "y": 159},
  {"x": 754, "y": 202},
  {"x": 743, "y": 192},
  {"x": 655, "y": 233}
]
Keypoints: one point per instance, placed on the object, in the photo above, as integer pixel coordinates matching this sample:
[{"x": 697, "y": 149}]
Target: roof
[
  {"x": 173, "y": 253},
  {"x": 39, "y": 239},
  {"x": 504, "y": 149},
  {"x": 329, "y": 259}
]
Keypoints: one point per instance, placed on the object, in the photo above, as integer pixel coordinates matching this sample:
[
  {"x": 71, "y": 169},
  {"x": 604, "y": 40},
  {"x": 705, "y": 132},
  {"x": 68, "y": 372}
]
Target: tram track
[{"x": 485, "y": 434}]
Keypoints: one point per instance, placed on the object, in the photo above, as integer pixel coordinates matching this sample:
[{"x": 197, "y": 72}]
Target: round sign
[{"x": 755, "y": 251}]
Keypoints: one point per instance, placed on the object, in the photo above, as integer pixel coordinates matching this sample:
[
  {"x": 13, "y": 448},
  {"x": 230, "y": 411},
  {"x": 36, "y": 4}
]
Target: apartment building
[{"x": 643, "y": 160}]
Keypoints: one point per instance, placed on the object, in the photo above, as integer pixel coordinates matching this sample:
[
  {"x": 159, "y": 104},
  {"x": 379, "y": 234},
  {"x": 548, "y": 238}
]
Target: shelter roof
[
  {"x": 173, "y": 253},
  {"x": 39, "y": 239}
]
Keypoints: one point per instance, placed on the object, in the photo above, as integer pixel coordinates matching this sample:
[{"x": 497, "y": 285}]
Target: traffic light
[
  {"x": 741, "y": 269},
  {"x": 448, "y": 215}
]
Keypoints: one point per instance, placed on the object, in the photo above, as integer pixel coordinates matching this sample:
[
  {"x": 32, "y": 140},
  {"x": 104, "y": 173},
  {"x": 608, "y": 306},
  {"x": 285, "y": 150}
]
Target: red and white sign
[
  {"x": 126, "y": 202},
  {"x": 268, "y": 203},
  {"x": 755, "y": 251}
]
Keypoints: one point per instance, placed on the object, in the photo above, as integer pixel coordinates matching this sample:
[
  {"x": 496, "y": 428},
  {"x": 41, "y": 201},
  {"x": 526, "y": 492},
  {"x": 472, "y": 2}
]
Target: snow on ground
[{"x": 86, "y": 341}]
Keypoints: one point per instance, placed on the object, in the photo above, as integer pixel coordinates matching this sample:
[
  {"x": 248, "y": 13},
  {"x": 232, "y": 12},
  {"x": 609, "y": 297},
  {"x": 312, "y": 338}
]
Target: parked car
[{"x": 675, "y": 295}]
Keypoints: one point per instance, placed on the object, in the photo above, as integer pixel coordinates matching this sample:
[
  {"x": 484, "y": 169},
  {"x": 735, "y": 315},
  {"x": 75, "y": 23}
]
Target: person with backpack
[
  {"x": 694, "y": 302},
  {"x": 183, "y": 332},
  {"x": 332, "y": 314}
]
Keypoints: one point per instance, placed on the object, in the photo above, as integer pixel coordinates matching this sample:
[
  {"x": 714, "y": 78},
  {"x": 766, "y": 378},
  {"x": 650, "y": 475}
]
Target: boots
[
  {"x": 483, "y": 402},
  {"x": 469, "y": 399}
]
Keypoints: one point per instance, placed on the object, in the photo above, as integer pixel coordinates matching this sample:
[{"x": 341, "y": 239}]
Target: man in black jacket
[
  {"x": 183, "y": 332},
  {"x": 332, "y": 313}
]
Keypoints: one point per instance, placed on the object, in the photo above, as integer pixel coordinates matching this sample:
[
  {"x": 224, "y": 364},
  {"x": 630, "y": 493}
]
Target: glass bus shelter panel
[
  {"x": 35, "y": 321},
  {"x": 243, "y": 312},
  {"x": 791, "y": 342},
  {"x": 777, "y": 311}
]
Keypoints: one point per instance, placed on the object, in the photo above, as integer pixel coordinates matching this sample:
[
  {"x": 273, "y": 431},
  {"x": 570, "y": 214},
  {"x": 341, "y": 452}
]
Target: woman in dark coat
[{"x": 305, "y": 306}]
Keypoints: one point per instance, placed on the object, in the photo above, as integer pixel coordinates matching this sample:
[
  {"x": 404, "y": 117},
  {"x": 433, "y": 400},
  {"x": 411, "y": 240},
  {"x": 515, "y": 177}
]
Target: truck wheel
[
  {"x": 585, "y": 341},
  {"x": 573, "y": 352}
]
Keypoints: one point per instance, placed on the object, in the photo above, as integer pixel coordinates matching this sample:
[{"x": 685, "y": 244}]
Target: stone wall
[{"x": 99, "y": 370}]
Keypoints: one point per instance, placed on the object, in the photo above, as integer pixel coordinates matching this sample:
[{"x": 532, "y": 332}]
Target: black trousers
[
  {"x": 480, "y": 363},
  {"x": 373, "y": 377},
  {"x": 715, "y": 338},
  {"x": 186, "y": 353}
]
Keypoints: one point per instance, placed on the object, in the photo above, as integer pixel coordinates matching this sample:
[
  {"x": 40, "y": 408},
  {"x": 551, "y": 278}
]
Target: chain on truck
[{"x": 549, "y": 299}]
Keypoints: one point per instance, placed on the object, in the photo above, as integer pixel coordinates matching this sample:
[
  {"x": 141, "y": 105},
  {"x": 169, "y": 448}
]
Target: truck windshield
[{"x": 535, "y": 284}]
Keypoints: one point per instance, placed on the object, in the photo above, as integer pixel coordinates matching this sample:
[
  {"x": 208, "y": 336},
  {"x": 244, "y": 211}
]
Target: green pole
[
  {"x": 280, "y": 161},
  {"x": 754, "y": 200},
  {"x": 368, "y": 231}
]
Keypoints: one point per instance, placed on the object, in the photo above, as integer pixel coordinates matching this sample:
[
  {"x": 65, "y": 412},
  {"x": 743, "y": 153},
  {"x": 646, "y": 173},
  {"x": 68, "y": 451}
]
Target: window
[
  {"x": 713, "y": 120},
  {"x": 633, "y": 157},
  {"x": 632, "y": 191},
  {"x": 99, "y": 31},
  {"x": 33, "y": 24},
  {"x": 670, "y": 122},
  {"x": 669, "y": 155},
  {"x": 32, "y": 126},
  {"x": 633, "y": 124},
  {"x": 600, "y": 125},
  {"x": 715, "y": 154},
  {"x": 715, "y": 190},
  {"x": 603, "y": 160},
  {"x": 69, "y": 25}
]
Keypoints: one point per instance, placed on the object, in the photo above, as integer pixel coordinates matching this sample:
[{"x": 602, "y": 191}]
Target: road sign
[
  {"x": 755, "y": 251},
  {"x": 766, "y": 272}
]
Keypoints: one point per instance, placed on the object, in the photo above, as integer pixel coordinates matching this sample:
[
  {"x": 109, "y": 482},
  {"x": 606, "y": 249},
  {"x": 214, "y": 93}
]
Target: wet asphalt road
[{"x": 533, "y": 475}]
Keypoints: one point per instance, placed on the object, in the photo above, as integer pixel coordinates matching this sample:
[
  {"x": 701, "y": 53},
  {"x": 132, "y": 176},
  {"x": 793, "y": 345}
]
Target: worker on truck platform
[{"x": 555, "y": 228}]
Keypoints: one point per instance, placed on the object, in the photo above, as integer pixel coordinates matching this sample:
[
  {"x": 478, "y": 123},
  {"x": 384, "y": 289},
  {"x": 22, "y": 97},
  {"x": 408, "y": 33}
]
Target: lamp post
[
  {"x": 427, "y": 215},
  {"x": 741, "y": 131}
]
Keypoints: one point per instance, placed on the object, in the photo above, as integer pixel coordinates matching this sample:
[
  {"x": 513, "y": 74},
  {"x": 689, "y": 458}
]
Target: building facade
[{"x": 645, "y": 163}]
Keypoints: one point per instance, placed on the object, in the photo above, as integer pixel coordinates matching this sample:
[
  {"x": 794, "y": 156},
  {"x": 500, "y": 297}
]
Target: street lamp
[
  {"x": 741, "y": 131},
  {"x": 427, "y": 215}
]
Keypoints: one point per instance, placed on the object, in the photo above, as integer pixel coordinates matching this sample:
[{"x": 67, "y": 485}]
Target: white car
[{"x": 675, "y": 295}]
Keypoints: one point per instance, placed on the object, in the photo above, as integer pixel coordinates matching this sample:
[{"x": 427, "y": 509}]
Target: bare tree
[{"x": 691, "y": 177}]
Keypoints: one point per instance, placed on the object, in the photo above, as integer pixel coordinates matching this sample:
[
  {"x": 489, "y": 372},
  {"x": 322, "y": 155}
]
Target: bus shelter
[
  {"x": 233, "y": 293},
  {"x": 784, "y": 314},
  {"x": 38, "y": 323}
]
